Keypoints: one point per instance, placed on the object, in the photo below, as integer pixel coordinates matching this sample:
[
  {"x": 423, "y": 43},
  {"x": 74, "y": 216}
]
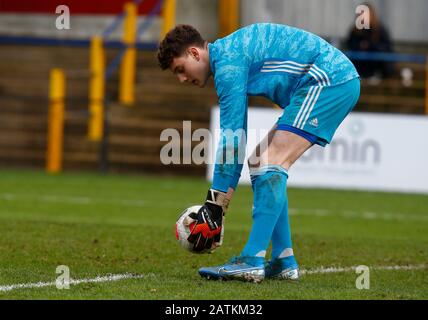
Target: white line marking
[
  {"x": 73, "y": 199},
  {"x": 109, "y": 278},
  {"x": 127, "y": 276},
  {"x": 323, "y": 270},
  {"x": 146, "y": 203},
  {"x": 365, "y": 215}
]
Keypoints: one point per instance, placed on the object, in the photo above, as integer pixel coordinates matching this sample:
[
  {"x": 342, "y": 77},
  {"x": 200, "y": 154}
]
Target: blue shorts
[{"x": 316, "y": 112}]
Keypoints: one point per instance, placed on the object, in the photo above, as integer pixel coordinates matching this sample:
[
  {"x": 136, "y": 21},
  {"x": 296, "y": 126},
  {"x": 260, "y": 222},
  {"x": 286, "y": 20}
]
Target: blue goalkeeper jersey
[{"x": 272, "y": 61}]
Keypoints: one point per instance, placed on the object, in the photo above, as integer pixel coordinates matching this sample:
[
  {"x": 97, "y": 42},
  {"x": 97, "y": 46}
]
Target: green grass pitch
[{"x": 101, "y": 225}]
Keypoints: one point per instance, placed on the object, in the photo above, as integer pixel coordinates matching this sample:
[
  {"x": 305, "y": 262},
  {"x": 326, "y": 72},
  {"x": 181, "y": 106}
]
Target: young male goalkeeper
[{"x": 315, "y": 84}]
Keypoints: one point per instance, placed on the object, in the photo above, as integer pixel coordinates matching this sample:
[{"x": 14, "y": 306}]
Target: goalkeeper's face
[{"x": 192, "y": 67}]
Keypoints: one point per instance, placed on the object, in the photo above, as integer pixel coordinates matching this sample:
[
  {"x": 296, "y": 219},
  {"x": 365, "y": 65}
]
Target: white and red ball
[{"x": 184, "y": 226}]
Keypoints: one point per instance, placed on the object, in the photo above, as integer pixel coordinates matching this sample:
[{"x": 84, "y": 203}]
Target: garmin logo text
[{"x": 347, "y": 152}]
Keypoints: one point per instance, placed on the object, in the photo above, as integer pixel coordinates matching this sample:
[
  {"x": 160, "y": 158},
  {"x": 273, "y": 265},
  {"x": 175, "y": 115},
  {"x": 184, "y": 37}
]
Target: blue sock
[
  {"x": 269, "y": 199},
  {"x": 281, "y": 238}
]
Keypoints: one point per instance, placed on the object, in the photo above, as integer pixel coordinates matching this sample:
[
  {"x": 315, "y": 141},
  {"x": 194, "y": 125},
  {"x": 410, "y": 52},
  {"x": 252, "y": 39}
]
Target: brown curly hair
[{"x": 176, "y": 42}]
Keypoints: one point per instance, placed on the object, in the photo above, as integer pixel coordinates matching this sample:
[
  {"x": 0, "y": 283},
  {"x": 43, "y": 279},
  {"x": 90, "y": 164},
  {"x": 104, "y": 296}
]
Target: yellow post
[
  {"x": 229, "y": 17},
  {"x": 168, "y": 16},
  {"x": 96, "y": 90},
  {"x": 426, "y": 87},
  {"x": 55, "y": 121},
  {"x": 127, "y": 70}
]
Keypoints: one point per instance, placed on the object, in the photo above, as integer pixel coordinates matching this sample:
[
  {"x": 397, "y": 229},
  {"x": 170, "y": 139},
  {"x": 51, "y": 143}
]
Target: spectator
[{"x": 374, "y": 39}]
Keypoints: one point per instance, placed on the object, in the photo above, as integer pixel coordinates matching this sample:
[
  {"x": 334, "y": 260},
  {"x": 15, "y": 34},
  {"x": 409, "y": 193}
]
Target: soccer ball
[{"x": 184, "y": 226}]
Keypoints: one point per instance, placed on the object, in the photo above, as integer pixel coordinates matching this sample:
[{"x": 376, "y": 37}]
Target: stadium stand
[{"x": 133, "y": 132}]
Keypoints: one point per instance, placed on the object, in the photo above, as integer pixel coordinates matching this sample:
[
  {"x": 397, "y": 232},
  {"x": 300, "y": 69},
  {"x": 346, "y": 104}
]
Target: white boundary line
[
  {"x": 145, "y": 203},
  {"x": 323, "y": 270},
  {"x": 127, "y": 276},
  {"x": 109, "y": 278}
]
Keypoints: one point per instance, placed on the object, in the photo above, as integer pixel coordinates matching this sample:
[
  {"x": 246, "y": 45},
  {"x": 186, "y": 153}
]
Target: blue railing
[
  {"x": 386, "y": 56},
  {"x": 115, "y": 44},
  {"x": 114, "y": 65},
  {"x": 117, "y": 22},
  {"x": 37, "y": 41}
]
